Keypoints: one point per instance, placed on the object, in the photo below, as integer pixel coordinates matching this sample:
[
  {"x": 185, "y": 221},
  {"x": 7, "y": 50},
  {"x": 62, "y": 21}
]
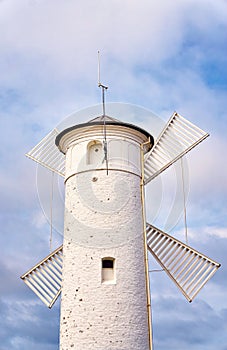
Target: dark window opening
[{"x": 107, "y": 264}]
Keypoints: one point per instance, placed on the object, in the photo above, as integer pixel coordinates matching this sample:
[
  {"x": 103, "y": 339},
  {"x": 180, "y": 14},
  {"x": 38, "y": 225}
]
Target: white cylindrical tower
[{"x": 105, "y": 298}]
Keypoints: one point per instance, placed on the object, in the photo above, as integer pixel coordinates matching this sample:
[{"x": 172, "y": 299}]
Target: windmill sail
[
  {"x": 188, "y": 268},
  {"x": 47, "y": 154},
  {"x": 177, "y": 138},
  {"x": 45, "y": 278}
]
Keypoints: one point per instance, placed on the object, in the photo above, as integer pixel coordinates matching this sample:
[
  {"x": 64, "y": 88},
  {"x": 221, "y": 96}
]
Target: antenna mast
[{"x": 104, "y": 88}]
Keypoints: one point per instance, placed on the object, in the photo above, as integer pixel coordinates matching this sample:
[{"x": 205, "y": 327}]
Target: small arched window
[
  {"x": 108, "y": 270},
  {"x": 94, "y": 153}
]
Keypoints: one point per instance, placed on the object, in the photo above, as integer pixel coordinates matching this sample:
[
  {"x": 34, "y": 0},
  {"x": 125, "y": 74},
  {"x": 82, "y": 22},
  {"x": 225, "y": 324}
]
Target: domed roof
[{"x": 104, "y": 120}]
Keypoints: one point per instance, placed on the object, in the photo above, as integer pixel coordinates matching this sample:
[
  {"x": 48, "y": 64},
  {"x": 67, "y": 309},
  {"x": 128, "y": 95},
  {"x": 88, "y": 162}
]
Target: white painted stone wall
[{"x": 103, "y": 218}]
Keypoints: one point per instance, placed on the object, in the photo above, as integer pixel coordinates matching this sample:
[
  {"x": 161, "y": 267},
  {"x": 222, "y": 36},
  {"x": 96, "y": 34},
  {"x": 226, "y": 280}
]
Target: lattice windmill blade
[
  {"x": 47, "y": 154},
  {"x": 45, "y": 278},
  {"x": 188, "y": 268},
  {"x": 177, "y": 138}
]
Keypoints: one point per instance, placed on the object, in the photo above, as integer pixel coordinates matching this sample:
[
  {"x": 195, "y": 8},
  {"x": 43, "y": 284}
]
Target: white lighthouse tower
[
  {"x": 105, "y": 292},
  {"x": 101, "y": 270}
]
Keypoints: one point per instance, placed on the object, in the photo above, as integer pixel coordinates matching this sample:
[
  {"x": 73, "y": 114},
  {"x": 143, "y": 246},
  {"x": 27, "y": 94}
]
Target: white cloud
[
  {"x": 67, "y": 35},
  {"x": 208, "y": 168},
  {"x": 39, "y": 220},
  {"x": 220, "y": 232}
]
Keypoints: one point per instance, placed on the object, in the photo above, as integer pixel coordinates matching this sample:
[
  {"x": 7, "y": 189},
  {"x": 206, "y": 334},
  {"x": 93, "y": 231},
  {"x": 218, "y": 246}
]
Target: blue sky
[{"x": 163, "y": 56}]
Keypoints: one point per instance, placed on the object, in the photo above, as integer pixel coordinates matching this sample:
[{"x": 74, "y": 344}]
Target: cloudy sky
[{"x": 161, "y": 55}]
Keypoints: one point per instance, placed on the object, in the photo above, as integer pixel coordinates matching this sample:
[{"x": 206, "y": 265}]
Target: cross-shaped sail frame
[{"x": 188, "y": 268}]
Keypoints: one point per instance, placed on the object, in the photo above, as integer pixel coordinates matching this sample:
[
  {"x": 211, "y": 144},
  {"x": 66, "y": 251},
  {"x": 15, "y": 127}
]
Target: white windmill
[{"x": 102, "y": 266}]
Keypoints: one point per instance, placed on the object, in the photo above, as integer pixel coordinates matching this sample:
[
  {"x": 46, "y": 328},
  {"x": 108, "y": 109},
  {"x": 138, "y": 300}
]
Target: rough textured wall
[{"x": 103, "y": 218}]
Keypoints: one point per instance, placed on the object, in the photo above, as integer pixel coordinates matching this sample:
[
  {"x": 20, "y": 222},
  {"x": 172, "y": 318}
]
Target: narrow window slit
[{"x": 108, "y": 270}]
